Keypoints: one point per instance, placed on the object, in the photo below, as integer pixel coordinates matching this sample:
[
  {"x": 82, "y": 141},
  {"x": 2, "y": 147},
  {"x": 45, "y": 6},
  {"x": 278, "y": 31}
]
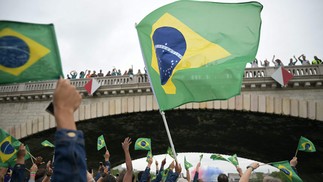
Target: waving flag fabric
[
  {"x": 285, "y": 168},
  {"x": 170, "y": 152},
  {"x": 101, "y": 142},
  {"x": 92, "y": 86},
  {"x": 46, "y": 143},
  {"x": 8, "y": 148},
  {"x": 234, "y": 160},
  {"x": 187, "y": 164},
  {"x": 28, "y": 52},
  {"x": 143, "y": 144},
  {"x": 149, "y": 155},
  {"x": 196, "y": 51},
  {"x": 218, "y": 157},
  {"x": 305, "y": 145},
  {"x": 282, "y": 76}
]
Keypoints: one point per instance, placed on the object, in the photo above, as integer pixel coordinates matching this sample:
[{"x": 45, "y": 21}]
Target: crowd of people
[
  {"x": 70, "y": 157},
  {"x": 292, "y": 61},
  {"x": 254, "y": 64},
  {"x": 92, "y": 74}
]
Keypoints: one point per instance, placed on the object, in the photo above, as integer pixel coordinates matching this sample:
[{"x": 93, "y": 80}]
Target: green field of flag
[
  {"x": 28, "y": 52},
  {"x": 218, "y": 157},
  {"x": 197, "y": 51},
  {"x": 46, "y": 143},
  {"x": 234, "y": 160},
  {"x": 187, "y": 164},
  {"x": 170, "y": 152}
]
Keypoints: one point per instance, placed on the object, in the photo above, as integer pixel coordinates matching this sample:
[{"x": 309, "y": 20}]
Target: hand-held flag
[
  {"x": 101, "y": 142},
  {"x": 28, "y": 52},
  {"x": 46, "y": 143},
  {"x": 286, "y": 169},
  {"x": 305, "y": 145},
  {"x": 217, "y": 157},
  {"x": 234, "y": 160},
  {"x": 170, "y": 152},
  {"x": 149, "y": 155},
  {"x": 8, "y": 148},
  {"x": 197, "y": 51},
  {"x": 143, "y": 144},
  {"x": 187, "y": 164}
]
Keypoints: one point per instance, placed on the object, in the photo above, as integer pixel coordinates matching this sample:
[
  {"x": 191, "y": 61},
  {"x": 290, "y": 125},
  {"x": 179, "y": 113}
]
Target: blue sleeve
[
  {"x": 145, "y": 175},
  {"x": 172, "y": 177},
  {"x": 70, "y": 155},
  {"x": 196, "y": 176},
  {"x": 108, "y": 165},
  {"x": 18, "y": 173},
  {"x": 159, "y": 176}
]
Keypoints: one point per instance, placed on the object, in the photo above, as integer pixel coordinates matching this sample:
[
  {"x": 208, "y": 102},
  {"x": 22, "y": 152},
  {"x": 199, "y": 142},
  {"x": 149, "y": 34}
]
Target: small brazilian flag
[
  {"x": 286, "y": 169},
  {"x": 8, "y": 148},
  {"x": 305, "y": 145},
  {"x": 234, "y": 160},
  {"x": 170, "y": 152},
  {"x": 143, "y": 144},
  {"x": 101, "y": 142},
  {"x": 187, "y": 164},
  {"x": 149, "y": 155},
  {"x": 197, "y": 51},
  {"x": 46, "y": 143},
  {"x": 218, "y": 157},
  {"x": 28, "y": 52}
]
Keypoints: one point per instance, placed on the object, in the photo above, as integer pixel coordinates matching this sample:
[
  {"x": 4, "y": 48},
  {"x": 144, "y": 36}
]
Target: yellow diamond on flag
[
  {"x": 34, "y": 52},
  {"x": 199, "y": 51}
]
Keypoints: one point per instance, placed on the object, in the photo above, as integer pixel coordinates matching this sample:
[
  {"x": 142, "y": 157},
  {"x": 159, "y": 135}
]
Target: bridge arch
[{"x": 253, "y": 135}]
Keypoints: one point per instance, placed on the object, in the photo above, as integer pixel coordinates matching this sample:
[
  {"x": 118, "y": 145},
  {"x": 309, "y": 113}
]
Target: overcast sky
[{"x": 101, "y": 34}]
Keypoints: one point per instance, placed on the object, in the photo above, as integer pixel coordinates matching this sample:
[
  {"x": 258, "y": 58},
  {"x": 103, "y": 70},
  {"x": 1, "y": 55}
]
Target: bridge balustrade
[{"x": 249, "y": 74}]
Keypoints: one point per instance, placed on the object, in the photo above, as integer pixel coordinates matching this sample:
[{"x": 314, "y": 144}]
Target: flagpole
[
  {"x": 161, "y": 112},
  {"x": 31, "y": 155},
  {"x": 168, "y": 134},
  {"x": 296, "y": 152}
]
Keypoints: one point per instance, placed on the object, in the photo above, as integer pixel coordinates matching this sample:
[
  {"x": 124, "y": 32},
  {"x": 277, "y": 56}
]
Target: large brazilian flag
[
  {"x": 196, "y": 51},
  {"x": 28, "y": 52}
]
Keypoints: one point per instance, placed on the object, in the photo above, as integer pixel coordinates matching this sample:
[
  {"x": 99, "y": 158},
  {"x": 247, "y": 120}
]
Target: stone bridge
[
  {"x": 263, "y": 123},
  {"x": 22, "y": 106}
]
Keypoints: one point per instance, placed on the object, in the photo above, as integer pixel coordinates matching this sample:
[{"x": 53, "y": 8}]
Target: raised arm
[
  {"x": 273, "y": 60},
  {"x": 69, "y": 143},
  {"x": 188, "y": 175},
  {"x": 18, "y": 172},
  {"x": 196, "y": 175},
  {"x": 246, "y": 175},
  {"x": 125, "y": 145}
]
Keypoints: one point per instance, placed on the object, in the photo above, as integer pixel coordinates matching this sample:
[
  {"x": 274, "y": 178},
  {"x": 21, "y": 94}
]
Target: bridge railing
[
  {"x": 249, "y": 74},
  {"x": 297, "y": 70},
  {"x": 78, "y": 83}
]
